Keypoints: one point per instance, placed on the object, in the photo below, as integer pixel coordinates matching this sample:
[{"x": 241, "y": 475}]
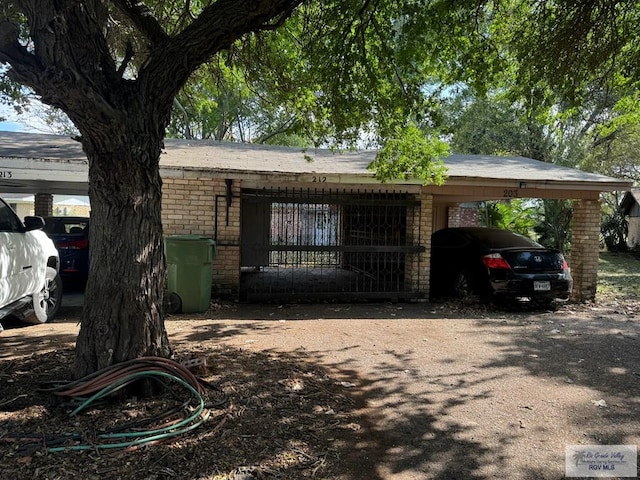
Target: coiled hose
[{"x": 99, "y": 385}]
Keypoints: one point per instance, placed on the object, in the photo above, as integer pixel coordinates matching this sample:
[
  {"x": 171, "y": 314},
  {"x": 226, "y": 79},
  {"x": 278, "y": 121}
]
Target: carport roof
[{"x": 62, "y": 160}]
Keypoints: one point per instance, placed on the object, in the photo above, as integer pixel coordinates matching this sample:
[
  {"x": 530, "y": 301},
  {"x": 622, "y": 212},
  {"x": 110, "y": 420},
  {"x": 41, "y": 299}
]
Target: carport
[
  {"x": 316, "y": 225},
  {"x": 478, "y": 178}
]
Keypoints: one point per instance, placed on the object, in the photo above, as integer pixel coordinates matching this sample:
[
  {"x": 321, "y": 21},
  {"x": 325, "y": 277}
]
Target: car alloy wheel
[
  {"x": 462, "y": 285},
  {"x": 47, "y": 302}
]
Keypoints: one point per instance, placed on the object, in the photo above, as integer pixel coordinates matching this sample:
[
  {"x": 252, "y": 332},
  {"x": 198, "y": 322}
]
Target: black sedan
[
  {"x": 496, "y": 264},
  {"x": 71, "y": 237}
]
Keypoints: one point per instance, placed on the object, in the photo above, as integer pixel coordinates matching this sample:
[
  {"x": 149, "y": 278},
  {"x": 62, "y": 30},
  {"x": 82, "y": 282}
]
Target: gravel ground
[{"x": 375, "y": 391}]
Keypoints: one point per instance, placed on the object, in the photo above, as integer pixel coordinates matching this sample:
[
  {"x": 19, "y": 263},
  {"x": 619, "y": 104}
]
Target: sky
[
  {"x": 29, "y": 123},
  {"x": 13, "y": 127}
]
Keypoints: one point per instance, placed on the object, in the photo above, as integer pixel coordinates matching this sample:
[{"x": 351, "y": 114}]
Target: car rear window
[
  {"x": 503, "y": 239},
  {"x": 63, "y": 226}
]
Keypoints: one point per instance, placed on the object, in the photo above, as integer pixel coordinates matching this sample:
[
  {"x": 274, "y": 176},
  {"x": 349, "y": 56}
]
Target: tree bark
[{"x": 122, "y": 316}]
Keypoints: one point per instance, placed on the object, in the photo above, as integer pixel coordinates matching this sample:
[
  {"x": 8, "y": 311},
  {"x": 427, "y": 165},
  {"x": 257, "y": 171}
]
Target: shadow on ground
[{"x": 298, "y": 414}]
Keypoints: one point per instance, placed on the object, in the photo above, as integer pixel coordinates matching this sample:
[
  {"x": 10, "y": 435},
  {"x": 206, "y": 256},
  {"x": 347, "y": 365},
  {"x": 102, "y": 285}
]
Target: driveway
[
  {"x": 462, "y": 392},
  {"x": 446, "y": 391}
]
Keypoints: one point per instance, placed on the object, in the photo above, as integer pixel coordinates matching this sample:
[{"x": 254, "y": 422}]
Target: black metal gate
[{"x": 324, "y": 244}]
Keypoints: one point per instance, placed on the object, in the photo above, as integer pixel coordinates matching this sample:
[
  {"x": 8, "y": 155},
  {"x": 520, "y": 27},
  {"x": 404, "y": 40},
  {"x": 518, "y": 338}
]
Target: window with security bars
[{"x": 305, "y": 225}]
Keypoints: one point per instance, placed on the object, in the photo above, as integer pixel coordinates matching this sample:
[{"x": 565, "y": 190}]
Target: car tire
[
  {"x": 462, "y": 285},
  {"x": 47, "y": 302},
  {"x": 172, "y": 302}
]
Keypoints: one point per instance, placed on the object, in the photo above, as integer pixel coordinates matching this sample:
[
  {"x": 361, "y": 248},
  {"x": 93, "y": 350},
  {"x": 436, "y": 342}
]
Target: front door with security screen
[{"x": 256, "y": 219}]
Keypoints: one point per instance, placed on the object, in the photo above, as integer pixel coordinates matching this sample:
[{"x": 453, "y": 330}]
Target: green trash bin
[{"x": 189, "y": 272}]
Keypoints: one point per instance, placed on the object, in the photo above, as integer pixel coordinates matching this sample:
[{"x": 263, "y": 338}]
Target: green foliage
[
  {"x": 212, "y": 105},
  {"x": 12, "y": 94},
  {"x": 569, "y": 45},
  {"x": 488, "y": 125},
  {"x": 516, "y": 215},
  {"x": 615, "y": 146},
  {"x": 411, "y": 155},
  {"x": 615, "y": 229},
  {"x": 554, "y": 224},
  {"x": 614, "y": 226},
  {"x": 352, "y": 70}
]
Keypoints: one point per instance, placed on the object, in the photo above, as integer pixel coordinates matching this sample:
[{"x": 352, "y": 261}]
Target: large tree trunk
[
  {"x": 117, "y": 87},
  {"x": 122, "y": 316}
]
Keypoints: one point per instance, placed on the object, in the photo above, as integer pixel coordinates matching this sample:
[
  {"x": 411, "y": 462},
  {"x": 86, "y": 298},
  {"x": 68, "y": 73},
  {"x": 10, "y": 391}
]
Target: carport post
[
  {"x": 419, "y": 229},
  {"x": 585, "y": 248},
  {"x": 43, "y": 205}
]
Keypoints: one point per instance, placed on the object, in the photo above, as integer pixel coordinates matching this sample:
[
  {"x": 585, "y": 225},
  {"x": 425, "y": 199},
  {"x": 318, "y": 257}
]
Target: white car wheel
[{"x": 47, "y": 302}]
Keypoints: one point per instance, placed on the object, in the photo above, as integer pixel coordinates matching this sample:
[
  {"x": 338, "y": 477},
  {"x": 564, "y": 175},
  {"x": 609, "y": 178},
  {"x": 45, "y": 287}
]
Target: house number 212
[{"x": 319, "y": 179}]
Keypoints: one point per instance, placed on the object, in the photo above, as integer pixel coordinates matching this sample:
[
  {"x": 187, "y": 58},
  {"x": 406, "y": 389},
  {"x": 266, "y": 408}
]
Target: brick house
[{"x": 317, "y": 225}]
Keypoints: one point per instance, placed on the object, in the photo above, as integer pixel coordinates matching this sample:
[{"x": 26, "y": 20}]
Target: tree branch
[
  {"x": 8, "y": 34},
  {"x": 216, "y": 28},
  {"x": 25, "y": 66},
  {"x": 142, "y": 18},
  {"x": 284, "y": 128},
  {"x": 128, "y": 55},
  {"x": 281, "y": 18},
  {"x": 225, "y": 21}
]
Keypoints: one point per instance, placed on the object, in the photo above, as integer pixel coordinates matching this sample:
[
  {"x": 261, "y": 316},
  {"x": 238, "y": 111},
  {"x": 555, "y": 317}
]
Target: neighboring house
[
  {"x": 631, "y": 207},
  {"x": 63, "y": 205},
  {"x": 21, "y": 204},
  {"x": 287, "y": 228},
  {"x": 71, "y": 206}
]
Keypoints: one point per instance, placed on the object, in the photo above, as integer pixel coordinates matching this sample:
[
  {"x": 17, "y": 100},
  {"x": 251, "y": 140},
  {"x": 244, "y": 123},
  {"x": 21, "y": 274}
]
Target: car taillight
[
  {"x": 76, "y": 245},
  {"x": 495, "y": 260},
  {"x": 565, "y": 265}
]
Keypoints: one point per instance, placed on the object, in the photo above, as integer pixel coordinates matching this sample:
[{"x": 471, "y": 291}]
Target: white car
[{"x": 30, "y": 287}]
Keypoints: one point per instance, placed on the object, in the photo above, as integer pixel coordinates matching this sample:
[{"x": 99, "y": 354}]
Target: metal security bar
[{"x": 327, "y": 244}]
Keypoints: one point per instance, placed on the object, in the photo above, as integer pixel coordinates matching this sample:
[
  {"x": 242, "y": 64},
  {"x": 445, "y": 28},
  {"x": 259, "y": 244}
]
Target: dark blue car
[
  {"x": 71, "y": 237},
  {"x": 496, "y": 264}
]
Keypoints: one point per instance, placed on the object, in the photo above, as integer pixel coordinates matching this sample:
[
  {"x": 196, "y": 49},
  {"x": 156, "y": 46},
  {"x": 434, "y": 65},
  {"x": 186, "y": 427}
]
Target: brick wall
[
  {"x": 189, "y": 208},
  {"x": 417, "y": 270},
  {"x": 585, "y": 247},
  {"x": 453, "y": 216},
  {"x": 469, "y": 217},
  {"x": 459, "y": 216},
  {"x": 189, "y": 205}
]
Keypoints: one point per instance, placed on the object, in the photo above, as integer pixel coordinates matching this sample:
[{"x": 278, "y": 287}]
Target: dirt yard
[{"x": 352, "y": 392}]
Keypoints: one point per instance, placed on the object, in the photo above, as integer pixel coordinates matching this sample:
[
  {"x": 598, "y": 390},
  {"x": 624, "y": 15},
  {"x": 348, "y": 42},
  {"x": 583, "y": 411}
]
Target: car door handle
[{"x": 27, "y": 267}]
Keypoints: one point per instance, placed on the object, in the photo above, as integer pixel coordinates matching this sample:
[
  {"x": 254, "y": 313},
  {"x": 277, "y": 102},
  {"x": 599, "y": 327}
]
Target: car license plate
[{"x": 541, "y": 286}]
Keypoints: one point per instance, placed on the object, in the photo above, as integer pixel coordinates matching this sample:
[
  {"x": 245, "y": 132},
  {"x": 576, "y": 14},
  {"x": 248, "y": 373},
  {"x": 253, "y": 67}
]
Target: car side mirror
[{"x": 33, "y": 223}]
